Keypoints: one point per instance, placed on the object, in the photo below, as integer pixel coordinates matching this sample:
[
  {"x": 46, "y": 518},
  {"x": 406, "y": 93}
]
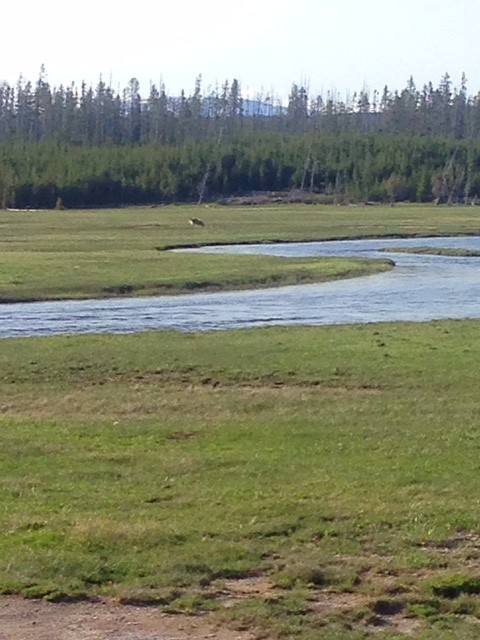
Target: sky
[{"x": 341, "y": 46}]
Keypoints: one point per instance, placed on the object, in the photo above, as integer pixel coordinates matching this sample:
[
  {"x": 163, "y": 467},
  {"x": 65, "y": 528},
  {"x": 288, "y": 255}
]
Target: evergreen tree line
[
  {"x": 342, "y": 167},
  {"x": 84, "y": 146},
  {"x": 93, "y": 116}
]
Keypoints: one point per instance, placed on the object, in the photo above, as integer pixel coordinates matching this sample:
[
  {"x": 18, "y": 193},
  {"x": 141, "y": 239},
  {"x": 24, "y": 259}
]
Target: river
[{"x": 419, "y": 288}]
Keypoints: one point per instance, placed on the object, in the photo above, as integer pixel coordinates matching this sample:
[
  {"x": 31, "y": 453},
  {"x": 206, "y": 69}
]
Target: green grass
[
  {"x": 81, "y": 254},
  {"x": 32, "y": 276},
  {"x": 337, "y": 464},
  {"x": 335, "y": 467},
  {"x": 437, "y": 251}
]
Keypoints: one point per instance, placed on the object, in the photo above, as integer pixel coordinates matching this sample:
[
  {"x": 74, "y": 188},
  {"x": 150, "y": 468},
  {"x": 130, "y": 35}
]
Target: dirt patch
[
  {"x": 398, "y": 624},
  {"x": 102, "y": 620},
  {"x": 325, "y": 603},
  {"x": 393, "y": 618},
  {"x": 459, "y": 543},
  {"x": 258, "y": 587}
]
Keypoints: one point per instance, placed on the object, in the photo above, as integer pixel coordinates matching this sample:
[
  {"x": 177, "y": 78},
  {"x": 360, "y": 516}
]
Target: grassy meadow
[
  {"x": 335, "y": 464},
  {"x": 299, "y": 482},
  {"x": 95, "y": 254}
]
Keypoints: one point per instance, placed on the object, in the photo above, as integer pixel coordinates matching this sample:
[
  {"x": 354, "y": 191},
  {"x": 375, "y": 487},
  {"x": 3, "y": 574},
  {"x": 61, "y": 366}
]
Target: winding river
[{"x": 419, "y": 288}]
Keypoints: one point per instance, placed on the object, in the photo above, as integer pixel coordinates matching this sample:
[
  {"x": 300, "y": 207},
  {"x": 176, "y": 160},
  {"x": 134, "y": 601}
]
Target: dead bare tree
[{"x": 203, "y": 184}]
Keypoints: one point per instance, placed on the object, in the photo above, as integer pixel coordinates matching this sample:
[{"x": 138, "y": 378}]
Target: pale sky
[{"x": 340, "y": 45}]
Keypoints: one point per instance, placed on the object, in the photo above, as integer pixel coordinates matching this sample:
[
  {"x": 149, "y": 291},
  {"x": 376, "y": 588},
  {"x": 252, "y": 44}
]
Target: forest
[{"x": 83, "y": 146}]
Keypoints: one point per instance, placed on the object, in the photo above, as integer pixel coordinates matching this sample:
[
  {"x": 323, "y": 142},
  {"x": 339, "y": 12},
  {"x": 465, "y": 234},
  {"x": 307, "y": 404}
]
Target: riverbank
[
  {"x": 51, "y": 255},
  {"x": 99, "y": 277}
]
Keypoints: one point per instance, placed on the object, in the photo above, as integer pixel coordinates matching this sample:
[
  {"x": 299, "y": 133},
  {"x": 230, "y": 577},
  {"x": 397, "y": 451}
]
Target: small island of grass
[{"x": 436, "y": 251}]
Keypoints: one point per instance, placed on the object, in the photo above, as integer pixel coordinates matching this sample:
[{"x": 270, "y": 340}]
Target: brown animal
[{"x": 196, "y": 222}]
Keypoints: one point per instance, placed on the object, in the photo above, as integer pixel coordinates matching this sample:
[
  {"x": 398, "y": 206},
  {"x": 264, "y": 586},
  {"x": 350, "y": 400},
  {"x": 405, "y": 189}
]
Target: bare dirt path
[{"x": 104, "y": 620}]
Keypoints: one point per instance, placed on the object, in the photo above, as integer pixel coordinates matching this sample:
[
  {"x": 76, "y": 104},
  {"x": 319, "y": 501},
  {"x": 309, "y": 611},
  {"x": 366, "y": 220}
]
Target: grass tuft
[{"x": 455, "y": 585}]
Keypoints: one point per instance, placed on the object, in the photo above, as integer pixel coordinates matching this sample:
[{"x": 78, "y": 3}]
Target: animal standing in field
[{"x": 196, "y": 222}]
